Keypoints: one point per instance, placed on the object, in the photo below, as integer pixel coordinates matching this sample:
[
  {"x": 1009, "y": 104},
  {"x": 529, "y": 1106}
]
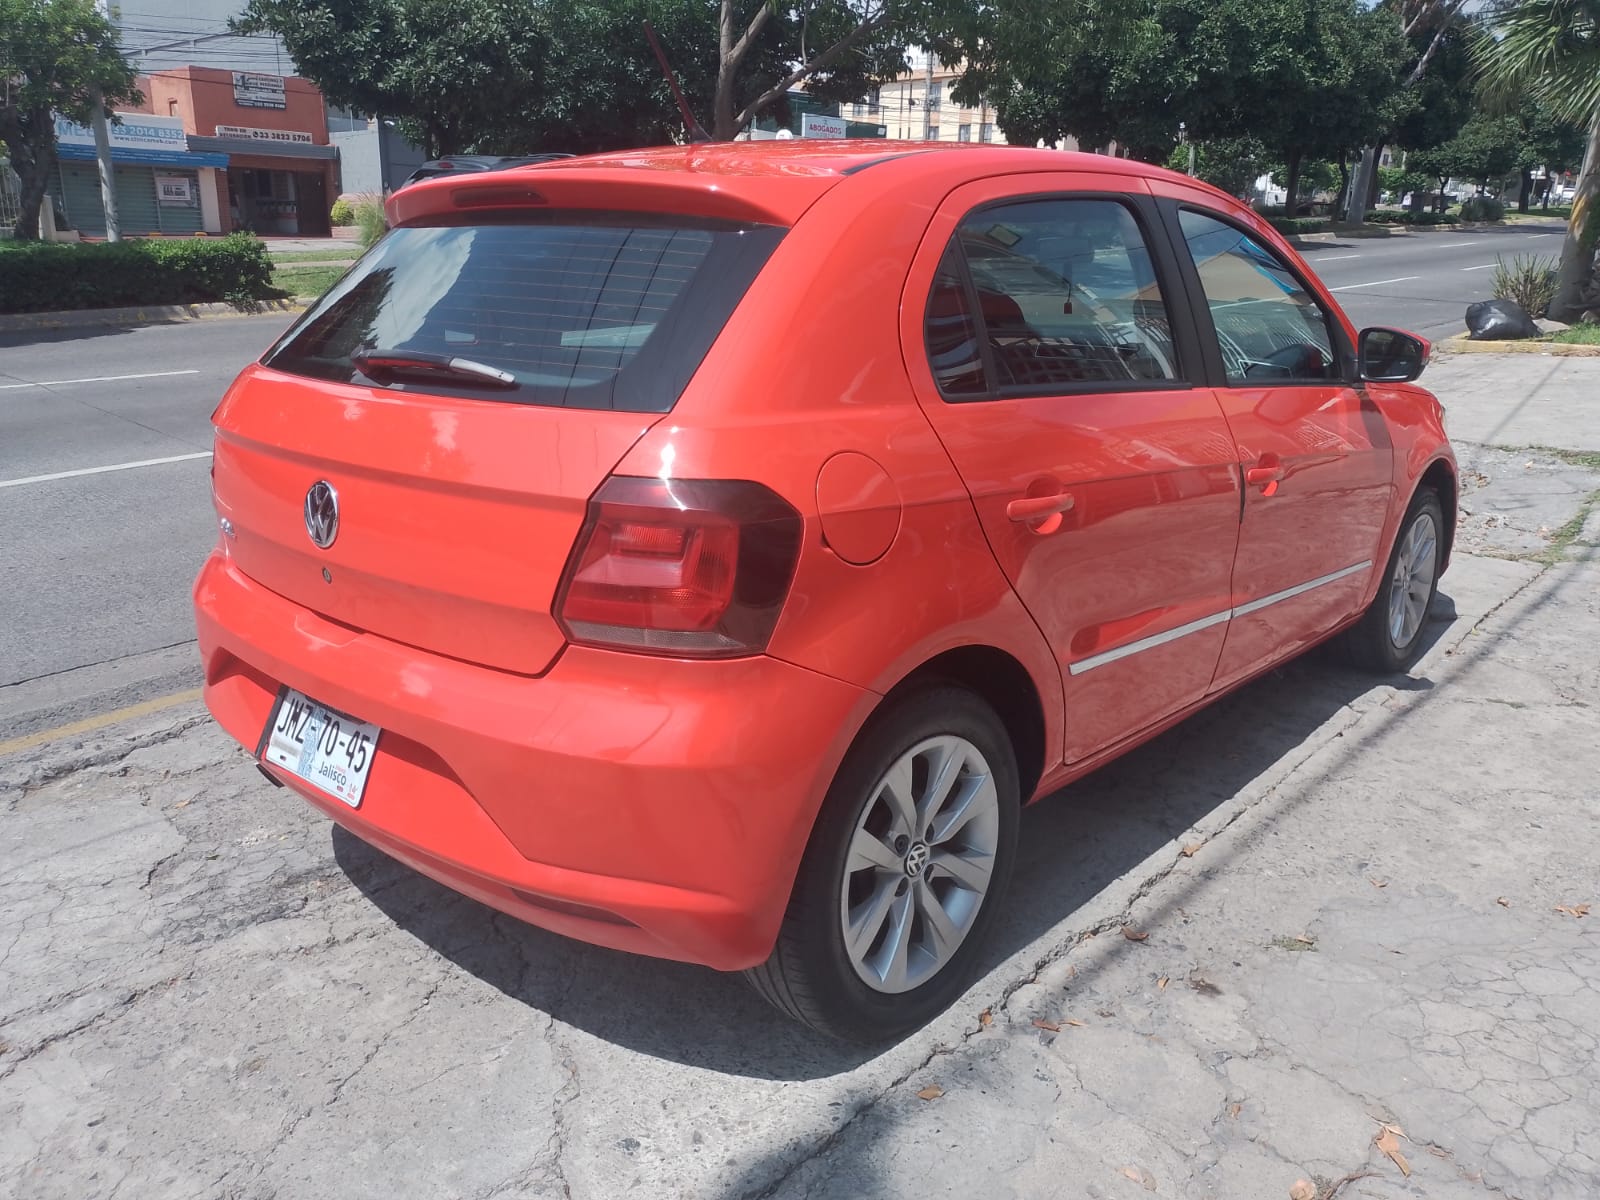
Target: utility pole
[
  {"x": 927, "y": 102},
  {"x": 102, "y": 154}
]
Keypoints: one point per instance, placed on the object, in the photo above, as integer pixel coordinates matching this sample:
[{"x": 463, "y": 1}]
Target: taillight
[{"x": 698, "y": 568}]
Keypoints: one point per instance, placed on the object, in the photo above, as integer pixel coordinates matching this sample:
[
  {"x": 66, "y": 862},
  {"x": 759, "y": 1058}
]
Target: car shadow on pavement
[{"x": 1073, "y": 845}]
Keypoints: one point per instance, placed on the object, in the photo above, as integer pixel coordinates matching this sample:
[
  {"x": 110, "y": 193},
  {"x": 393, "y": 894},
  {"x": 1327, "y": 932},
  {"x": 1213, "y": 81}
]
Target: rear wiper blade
[{"x": 420, "y": 365}]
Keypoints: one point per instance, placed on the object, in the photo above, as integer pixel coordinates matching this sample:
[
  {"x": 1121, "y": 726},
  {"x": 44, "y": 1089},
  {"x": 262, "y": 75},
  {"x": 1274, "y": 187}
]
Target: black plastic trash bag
[{"x": 1499, "y": 320}]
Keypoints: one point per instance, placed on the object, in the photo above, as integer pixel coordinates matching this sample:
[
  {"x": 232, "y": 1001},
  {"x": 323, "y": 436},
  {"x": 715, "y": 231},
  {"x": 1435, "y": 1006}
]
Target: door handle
[
  {"x": 1032, "y": 508},
  {"x": 1255, "y": 475}
]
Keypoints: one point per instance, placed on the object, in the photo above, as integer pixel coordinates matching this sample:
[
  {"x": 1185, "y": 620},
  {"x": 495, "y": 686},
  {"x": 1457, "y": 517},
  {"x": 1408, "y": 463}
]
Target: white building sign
[
  {"x": 130, "y": 131},
  {"x": 175, "y": 189},
  {"x": 249, "y": 133},
  {"x": 815, "y": 125},
  {"x": 258, "y": 91}
]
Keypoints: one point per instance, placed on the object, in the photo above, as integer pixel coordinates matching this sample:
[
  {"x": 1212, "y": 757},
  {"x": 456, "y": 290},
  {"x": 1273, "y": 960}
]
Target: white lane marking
[
  {"x": 1485, "y": 267},
  {"x": 1350, "y": 287},
  {"x": 1227, "y": 614},
  {"x": 6, "y": 387},
  {"x": 127, "y": 466},
  {"x": 1331, "y": 257},
  {"x": 1450, "y": 245},
  {"x": 1547, "y": 235}
]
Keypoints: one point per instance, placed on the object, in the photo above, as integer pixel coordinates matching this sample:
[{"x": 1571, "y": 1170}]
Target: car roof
[{"x": 772, "y": 181}]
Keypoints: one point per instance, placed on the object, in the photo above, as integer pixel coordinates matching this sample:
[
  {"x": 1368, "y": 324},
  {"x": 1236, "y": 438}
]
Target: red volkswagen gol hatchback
[{"x": 707, "y": 551}]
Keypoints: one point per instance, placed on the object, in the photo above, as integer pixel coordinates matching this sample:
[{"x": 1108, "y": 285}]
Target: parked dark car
[{"x": 458, "y": 164}]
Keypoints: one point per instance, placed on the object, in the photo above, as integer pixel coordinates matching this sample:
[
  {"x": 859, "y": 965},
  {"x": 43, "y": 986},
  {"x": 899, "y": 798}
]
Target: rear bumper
[{"x": 651, "y": 805}]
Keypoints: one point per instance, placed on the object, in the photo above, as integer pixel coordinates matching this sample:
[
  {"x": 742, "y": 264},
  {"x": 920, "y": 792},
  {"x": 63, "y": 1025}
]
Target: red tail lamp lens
[{"x": 697, "y": 568}]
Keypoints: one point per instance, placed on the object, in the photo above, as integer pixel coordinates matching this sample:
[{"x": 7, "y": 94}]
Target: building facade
[{"x": 210, "y": 151}]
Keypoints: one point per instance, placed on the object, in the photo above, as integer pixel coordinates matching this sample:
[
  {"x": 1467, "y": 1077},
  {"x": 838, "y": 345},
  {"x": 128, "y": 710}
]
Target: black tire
[
  {"x": 809, "y": 975},
  {"x": 1369, "y": 644}
]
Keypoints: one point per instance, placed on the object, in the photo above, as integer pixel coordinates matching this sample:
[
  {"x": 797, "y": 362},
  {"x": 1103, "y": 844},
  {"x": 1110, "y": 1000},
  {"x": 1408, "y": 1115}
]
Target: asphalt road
[
  {"x": 98, "y": 555},
  {"x": 98, "y": 560},
  {"x": 1424, "y": 281}
]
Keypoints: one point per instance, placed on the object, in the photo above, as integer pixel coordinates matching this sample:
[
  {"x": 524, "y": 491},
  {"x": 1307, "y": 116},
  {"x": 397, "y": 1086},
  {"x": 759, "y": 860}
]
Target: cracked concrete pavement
[{"x": 1349, "y": 893}]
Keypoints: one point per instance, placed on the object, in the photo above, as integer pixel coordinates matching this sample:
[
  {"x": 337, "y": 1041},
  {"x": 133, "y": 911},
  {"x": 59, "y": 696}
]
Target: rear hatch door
[{"x": 461, "y": 393}]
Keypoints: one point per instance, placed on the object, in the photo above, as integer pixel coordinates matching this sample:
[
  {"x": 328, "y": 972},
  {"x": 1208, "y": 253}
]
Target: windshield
[{"x": 581, "y": 310}]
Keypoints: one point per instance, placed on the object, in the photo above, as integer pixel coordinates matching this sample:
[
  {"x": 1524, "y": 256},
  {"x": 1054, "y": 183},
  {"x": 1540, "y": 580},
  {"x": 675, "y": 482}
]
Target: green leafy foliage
[
  {"x": 514, "y": 76},
  {"x": 53, "y": 55},
  {"x": 1306, "y": 79},
  {"x": 1231, "y": 164},
  {"x": 369, "y": 216},
  {"x": 1530, "y": 281},
  {"x": 343, "y": 212},
  {"x": 1295, "y": 226},
  {"x": 43, "y": 277},
  {"x": 1550, "y": 50}
]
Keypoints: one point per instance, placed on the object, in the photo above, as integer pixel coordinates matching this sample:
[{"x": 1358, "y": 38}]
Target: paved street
[
  {"x": 1424, "y": 281},
  {"x": 96, "y": 587},
  {"x": 1359, "y": 902}
]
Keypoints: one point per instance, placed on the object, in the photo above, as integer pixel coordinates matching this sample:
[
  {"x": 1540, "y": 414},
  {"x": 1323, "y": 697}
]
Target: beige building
[{"x": 918, "y": 106}]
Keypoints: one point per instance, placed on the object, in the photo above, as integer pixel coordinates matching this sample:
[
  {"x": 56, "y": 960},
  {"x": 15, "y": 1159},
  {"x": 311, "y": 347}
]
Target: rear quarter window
[{"x": 584, "y": 310}]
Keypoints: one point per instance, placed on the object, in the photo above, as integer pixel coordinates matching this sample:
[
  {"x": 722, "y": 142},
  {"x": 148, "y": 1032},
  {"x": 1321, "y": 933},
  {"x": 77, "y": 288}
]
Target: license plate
[{"x": 330, "y": 751}]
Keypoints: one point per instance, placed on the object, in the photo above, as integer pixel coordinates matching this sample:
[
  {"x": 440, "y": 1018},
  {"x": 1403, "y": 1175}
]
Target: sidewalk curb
[
  {"x": 1461, "y": 344},
  {"x": 149, "y": 314}
]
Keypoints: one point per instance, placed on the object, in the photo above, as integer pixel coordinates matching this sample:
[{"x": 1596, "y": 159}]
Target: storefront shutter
[
  {"x": 136, "y": 201},
  {"x": 181, "y": 218},
  {"x": 79, "y": 193}
]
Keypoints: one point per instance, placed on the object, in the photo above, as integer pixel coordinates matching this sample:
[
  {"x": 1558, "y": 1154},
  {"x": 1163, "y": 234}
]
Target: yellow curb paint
[{"x": 90, "y": 724}]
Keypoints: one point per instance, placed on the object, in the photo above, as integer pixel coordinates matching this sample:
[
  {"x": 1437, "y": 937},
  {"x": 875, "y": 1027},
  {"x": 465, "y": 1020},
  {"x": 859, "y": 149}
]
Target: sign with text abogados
[
  {"x": 258, "y": 91},
  {"x": 251, "y": 134},
  {"x": 815, "y": 125}
]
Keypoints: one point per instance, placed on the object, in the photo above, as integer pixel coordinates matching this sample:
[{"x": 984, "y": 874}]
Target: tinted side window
[
  {"x": 952, "y": 334},
  {"x": 1067, "y": 297},
  {"x": 1269, "y": 327}
]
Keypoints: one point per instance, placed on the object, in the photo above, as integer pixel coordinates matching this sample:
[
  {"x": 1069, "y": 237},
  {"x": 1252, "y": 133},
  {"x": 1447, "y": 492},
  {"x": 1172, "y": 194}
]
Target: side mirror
[{"x": 1392, "y": 355}]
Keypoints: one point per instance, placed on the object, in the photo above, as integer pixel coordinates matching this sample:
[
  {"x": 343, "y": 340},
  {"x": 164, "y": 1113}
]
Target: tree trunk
[
  {"x": 1525, "y": 188},
  {"x": 1291, "y": 184},
  {"x": 1344, "y": 184},
  {"x": 1577, "y": 253},
  {"x": 30, "y": 138}
]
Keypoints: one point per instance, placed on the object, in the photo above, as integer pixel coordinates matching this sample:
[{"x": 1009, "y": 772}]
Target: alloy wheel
[
  {"x": 919, "y": 864},
  {"x": 1411, "y": 585}
]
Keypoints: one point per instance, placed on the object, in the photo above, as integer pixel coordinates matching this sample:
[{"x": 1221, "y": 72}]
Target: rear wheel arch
[{"x": 1004, "y": 684}]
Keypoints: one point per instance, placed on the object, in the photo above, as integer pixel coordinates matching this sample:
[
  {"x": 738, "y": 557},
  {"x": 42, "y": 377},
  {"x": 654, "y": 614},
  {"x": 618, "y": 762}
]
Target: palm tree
[{"x": 1550, "y": 49}]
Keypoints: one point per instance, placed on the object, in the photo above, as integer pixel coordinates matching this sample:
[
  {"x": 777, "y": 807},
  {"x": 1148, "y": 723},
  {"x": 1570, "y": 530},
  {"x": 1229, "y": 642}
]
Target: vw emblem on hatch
[{"x": 322, "y": 513}]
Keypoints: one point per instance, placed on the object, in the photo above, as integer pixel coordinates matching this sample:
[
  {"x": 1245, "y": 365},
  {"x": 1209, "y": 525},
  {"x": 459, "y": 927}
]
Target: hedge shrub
[
  {"x": 1294, "y": 226},
  {"x": 44, "y": 276},
  {"x": 1412, "y": 218},
  {"x": 1482, "y": 208},
  {"x": 342, "y": 212}
]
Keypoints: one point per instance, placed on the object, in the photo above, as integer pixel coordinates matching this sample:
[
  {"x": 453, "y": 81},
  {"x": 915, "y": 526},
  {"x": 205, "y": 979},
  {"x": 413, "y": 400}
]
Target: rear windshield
[{"x": 585, "y": 310}]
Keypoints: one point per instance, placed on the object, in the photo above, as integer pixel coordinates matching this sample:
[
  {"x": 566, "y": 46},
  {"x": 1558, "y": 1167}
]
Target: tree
[
  {"x": 840, "y": 49},
  {"x": 448, "y": 69},
  {"x": 54, "y": 54},
  {"x": 1307, "y": 78},
  {"x": 1547, "y": 141},
  {"x": 1485, "y": 149},
  {"x": 1550, "y": 49},
  {"x": 1432, "y": 102}
]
